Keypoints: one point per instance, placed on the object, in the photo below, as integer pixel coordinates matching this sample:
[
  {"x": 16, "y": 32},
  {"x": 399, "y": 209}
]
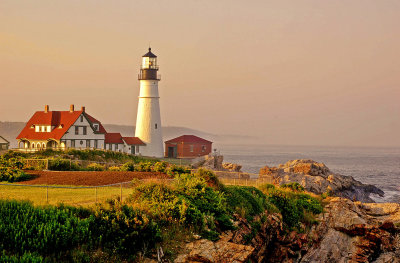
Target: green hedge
[{"x": 61, "y": 233}]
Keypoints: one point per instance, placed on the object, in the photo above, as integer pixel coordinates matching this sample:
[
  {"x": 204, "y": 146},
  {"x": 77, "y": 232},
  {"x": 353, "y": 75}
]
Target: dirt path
[{"x": 88, "y": 178}]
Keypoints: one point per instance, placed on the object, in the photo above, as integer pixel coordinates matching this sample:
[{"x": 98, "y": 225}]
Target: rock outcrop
[
  {"x": 216, "y": 163},
  {"x": 317, "y": 178},
  {"x": 347, "y": 232},
  {"x": 356, "y": 232}
]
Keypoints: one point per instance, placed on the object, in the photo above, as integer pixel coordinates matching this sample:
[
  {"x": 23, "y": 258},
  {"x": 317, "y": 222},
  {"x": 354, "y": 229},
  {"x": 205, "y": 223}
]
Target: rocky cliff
[
  {"x": 317, "y": 178},
  {"x": 347, "y": 232}
]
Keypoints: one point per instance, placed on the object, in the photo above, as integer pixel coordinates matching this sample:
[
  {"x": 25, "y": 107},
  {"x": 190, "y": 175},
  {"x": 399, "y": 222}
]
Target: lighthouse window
[{"x": 155, "y": 125}]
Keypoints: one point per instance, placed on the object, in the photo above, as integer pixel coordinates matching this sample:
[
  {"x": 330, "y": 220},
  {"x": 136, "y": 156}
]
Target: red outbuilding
[{"x": 187, "y": 146}]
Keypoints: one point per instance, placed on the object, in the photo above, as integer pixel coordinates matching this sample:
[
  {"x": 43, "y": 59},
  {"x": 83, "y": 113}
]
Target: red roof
[
  {"x": 93, "y": 120},
  {"x": 133, "y": 141},
  {"x": 114, "y": 137},
  {"x": 61, "y": 120},
  {"x": 188, "y": 139},
  {"x": 53, "y": 118}
]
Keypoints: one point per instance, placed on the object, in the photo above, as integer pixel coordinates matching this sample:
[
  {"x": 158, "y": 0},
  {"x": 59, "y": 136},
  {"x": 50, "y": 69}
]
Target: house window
[
  {"x": 76, "y": 130},
  {"x": 155, "y": 126},
  {"x": 95, "y": 144},
  {"x": 81, "y": 118},
  {"x": 96, "y": 127},
  {"x": 87, "y": 143},
  {"x": 191, "y": 148},
  {"x": 203, "y": 148},
  {"x": 116, "y": 147},
  {"x": 72, "y": 143},
  {"x": 137, "y": 149},
  {"x": 84, "y": 130},
  {"x": 81, "y": 142}
]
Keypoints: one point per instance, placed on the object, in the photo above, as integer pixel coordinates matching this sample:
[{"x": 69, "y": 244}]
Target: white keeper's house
[{"x": 72, "y": 129}]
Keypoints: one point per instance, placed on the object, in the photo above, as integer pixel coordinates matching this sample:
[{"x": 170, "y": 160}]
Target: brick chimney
[
  {"x": 46, "y": 108},
  {"x": 83, "y": 109},
  {"x": 71, "y": 108}
]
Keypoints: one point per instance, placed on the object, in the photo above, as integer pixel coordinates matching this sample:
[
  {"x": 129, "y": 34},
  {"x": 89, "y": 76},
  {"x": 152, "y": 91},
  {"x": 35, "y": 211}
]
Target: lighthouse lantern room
[{"x": 148, "y": 121}]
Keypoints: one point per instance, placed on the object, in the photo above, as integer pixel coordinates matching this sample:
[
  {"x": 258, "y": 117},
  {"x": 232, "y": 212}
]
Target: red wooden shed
[{"x": 187, "y": 146}]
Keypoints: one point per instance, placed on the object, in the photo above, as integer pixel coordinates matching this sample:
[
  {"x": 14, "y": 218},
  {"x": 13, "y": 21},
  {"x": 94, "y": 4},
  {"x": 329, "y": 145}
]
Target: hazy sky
[{"x": 289, "y": 72}]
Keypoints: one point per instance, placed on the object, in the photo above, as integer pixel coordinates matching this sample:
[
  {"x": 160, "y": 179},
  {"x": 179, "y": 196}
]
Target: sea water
[{"x": 377, "y": 166}]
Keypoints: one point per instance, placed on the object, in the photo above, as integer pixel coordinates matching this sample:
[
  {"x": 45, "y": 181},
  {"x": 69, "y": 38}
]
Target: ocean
[{"x": 377, "y": 166}]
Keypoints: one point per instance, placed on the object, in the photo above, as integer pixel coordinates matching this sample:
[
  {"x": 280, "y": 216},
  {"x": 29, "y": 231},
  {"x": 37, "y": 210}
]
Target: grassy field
[{"x": 71, "y": 196}]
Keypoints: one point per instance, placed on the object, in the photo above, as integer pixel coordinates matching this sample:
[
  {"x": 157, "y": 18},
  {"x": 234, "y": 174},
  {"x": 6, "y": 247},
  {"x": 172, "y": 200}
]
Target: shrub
[
  {"x": 175, "y": 169},
  {"x": 129, "y": 166},
  {"x": 59, "y": 164},
  {"x": 114, "y": 168},
  {"x": 10, "y": 170},
  {"x": 49, "y": 231},
  {"x": 123, "y": 229},
  {"x": 295, "y": 207},
  {"x": 160, "y": 167},
  {"x": 248, "y": 201},
  {"x": 210, "y": 178},
  {"x": 66, "y": 234},
  {"x": 143, "y": 167},
  {"x": 95, "y": 167},
  {"x": 295, "y": 186}
]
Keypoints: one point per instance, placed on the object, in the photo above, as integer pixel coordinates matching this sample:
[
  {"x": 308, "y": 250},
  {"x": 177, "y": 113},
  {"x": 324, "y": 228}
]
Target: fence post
[{"x": 121, "y": 191}]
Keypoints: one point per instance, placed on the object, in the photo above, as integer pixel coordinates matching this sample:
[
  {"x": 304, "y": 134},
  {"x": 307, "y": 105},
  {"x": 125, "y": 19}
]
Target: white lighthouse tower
[{"x": 148, "y": 121}]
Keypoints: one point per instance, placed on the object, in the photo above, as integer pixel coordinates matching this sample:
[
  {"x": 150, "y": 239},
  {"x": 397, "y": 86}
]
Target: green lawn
[{"x": 77, "y": 196}]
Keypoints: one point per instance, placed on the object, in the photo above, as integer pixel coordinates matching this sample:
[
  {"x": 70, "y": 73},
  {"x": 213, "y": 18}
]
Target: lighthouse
[{"x": 148, "y": 121}]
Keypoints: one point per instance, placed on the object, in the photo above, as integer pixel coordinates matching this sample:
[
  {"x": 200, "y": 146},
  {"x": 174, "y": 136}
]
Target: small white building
[
  {"x": 4, "y": 144},
  {"x": 71, "y": 129}
]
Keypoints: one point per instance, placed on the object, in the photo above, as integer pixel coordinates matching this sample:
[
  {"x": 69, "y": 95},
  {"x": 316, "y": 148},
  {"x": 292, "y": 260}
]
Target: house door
[{"x": 172, "y": 152}]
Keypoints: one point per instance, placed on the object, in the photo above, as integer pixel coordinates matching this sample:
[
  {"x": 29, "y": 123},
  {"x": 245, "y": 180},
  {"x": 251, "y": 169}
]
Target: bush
[
  {"x": 49, "y": 231},
  {"x": 175, "y": 170},
  {"x": 10, "y": 170},
  {"x": 210, "y": 178},
  {"x": 59, "y": 164},
  {"x": 295, "y": 186},
  {"x": 67, "y": 234},
  {"x": 188, "y": 201},
  {"x": 295, "y": 207},
  {"x": 160, "y": 167},
  {"x": 247, "y": 201},
  {"x": 129, "y": 166},
  {"x": 114, "y": 168},
  {"x": 95, "y": 167},
  {"x": 124, "y": 230},
  {"x": 143, "y": 167}
]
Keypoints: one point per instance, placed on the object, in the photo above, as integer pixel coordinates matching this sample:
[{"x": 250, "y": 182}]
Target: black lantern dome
[{"x": 149, "y": 67}]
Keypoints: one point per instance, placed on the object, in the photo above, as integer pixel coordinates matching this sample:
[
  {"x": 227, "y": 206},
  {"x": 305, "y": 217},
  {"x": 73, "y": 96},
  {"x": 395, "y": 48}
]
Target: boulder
[
  {"x": 317, "y": 178},
  {"x": 204, "y": 250},
  {"x": 347, "y": 232}
]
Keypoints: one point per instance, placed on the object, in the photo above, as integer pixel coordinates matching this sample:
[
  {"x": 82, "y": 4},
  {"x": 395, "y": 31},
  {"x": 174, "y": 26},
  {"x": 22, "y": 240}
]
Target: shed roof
[
  {"x": 188, "y": 139},
  {"x": 133, "y": 141},
  {"x": 3, "y": 140}
]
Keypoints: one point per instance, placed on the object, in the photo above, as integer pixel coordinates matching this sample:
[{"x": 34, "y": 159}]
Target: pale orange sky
[{"x": 289, "y": 72}]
